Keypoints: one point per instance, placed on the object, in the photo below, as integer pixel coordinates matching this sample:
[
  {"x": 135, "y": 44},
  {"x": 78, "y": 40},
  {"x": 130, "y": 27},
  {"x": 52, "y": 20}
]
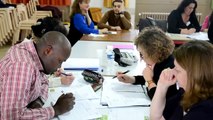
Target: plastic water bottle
[{"x": 110, "y": 59}]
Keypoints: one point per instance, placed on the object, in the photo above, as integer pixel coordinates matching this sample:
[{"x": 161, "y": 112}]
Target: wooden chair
[{"x": 96, "y": 14}]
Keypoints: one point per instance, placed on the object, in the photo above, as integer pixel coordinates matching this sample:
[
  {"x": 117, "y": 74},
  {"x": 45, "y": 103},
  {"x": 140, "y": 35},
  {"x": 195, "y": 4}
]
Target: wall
[{"x": 168, "y": 6}]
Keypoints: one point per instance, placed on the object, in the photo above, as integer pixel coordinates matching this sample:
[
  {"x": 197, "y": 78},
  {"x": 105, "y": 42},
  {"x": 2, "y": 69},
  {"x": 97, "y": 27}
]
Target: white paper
[
  {"x": 116, "y": 94},
  {"x": 83, "y": 110},
  {"x": 199, "y": 36},
  {"x": 96, "y": 35},
  {"x": 81, "y": 63}
]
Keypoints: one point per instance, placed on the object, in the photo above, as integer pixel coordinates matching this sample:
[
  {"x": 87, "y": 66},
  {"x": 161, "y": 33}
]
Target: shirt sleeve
[
  {"x": 16, "y": 94},
  {"x": 139, "y": 80},
  {"x": 81, "y": 25},
  {"x": 195, "y": 23},
  {"x": 102, "y": 24},
  {"x": 173, "y": 22},
  {"x": 205, "y": 24},
  {"x": 126, "y": 21}
]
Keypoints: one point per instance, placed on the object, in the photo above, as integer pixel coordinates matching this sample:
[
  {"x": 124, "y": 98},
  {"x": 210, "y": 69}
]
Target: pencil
[{"x": 121, "y": 73}]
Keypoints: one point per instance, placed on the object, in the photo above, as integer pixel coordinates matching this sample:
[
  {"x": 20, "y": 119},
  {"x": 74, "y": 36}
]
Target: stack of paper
[
  {"x": 81, "y": 64},
  {"x": 117, "y": 94}
]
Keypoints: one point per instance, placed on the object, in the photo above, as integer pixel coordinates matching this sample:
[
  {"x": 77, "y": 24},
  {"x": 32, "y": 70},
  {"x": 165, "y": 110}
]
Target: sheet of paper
[
  {"x": 81, "y": 93},
  {"x": 199, "y": 36},
  {"x": 96, "y": 35},
  {"x": 117, "y": 94},
  {"x": 83, "y": 110}
]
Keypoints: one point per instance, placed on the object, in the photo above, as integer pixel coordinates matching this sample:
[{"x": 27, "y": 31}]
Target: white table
[{"x": 88, "y": 49}]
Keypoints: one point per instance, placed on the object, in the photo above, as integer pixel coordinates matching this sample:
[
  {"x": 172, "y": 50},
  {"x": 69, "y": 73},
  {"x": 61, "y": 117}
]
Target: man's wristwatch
[{"x": 148, "y": 83}]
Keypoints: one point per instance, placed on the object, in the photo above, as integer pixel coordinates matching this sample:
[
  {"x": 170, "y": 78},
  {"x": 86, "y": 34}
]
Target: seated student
[
  {"x": 117, "y": 18},
  {"x": 23, "y": 81},
  {"x": 156, "y": 50},
  {"x": 207, "y": 22},
  {"x": 210, "y": 33},
  {"x": 80, "y": 22},
  {"x": 193, "y": 72},
  {"x": 183, "y": 20},
  {"x": 43, "y": 26}
]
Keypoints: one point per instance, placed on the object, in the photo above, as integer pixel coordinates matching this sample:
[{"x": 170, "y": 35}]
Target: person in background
[
  {"x": 207, "y": 22},
  {"x": 43, "y": 26},
  {"x": 117, "y": 18},
  {"x": 210, "y": 32},
  {"x": 156, "y": 50},
  {"x": 183, "y": 20},
  {"x": 80, "y": 22},
  {"x": 193, "y": 74},
  {"x": 23, "y": 81}
]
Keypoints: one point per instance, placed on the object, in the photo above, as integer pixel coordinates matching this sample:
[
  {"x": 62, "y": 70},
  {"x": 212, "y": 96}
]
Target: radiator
[
  {"x": 162, "y": 16},
  {"x": 155, "y": 15}
]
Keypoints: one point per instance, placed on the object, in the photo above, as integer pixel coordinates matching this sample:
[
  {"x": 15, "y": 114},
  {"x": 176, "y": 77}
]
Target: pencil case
[{"x": 92, "y": 77}]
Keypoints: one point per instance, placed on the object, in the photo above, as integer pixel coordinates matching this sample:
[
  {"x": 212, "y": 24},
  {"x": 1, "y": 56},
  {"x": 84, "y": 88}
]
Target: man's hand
[
  {"x": 67, "y": 80},
  {"x": 36, "y": 104},
  {"x": 64, "y": 104}
]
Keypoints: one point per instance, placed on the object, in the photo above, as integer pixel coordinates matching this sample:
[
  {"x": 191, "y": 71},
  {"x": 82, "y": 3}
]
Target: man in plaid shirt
[{"x": 23, "y": 83}]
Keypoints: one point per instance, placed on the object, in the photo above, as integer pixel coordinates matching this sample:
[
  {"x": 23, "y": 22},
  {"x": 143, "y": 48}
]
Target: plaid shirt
[{"x": 21, "y": 82}]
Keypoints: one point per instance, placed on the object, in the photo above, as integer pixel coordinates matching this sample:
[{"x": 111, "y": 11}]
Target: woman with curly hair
[{"x": 156, "y": 50}]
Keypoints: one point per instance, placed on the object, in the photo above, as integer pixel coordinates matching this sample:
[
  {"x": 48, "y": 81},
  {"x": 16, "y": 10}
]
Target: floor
[{"x": 3, "y": 50}]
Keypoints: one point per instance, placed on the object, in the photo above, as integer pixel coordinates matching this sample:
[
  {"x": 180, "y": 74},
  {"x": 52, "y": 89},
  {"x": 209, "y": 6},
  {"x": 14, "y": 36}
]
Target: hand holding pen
[
  {"x": 64, "y": 104},
  {"x": 122, "y": 77},
  {"x": 66, "y": 79}
]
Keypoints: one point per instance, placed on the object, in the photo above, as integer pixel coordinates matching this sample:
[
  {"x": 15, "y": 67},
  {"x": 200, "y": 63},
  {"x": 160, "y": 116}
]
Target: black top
[
  {"x": 2, "y": 5},
  {"x": 175, "y": 22},
  {"x": 200, "y": 111},
  {"x": 159, "y": 67},
  {"x": 74, "y": 35},
  {"x": 210, "y": 32}
]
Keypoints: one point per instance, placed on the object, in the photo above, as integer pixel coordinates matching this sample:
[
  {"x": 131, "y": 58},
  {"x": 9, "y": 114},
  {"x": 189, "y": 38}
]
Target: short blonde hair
[{"x": 155, "y": 43}]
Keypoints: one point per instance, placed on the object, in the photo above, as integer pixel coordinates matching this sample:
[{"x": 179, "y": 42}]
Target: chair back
[{"x": 95, "y": 14}]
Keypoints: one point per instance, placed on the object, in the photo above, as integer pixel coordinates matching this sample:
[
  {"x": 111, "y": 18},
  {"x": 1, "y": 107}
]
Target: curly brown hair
[{"x": 156, "y": 43}]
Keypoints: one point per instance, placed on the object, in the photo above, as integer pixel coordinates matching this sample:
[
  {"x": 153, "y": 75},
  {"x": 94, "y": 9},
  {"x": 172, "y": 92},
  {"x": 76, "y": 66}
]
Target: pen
[
  {"x": 64, "y": 74},
  {"x": 121, "y": 73}
]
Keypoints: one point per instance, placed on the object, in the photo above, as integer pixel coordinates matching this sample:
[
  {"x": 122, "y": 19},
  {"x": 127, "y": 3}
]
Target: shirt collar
[{"x": 29, "y": 46}]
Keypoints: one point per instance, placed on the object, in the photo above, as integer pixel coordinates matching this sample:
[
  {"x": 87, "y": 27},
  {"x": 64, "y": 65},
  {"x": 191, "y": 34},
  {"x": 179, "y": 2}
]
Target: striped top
[{"x": 21, "y": 82}]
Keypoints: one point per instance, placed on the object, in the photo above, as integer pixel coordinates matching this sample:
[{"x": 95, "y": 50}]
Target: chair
[
  {"x": 33, "y": 13},
  {"x": 24, "y": 23},
  {"x": 95, "y": 14},
  {"x": 152, "y": 22}
]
